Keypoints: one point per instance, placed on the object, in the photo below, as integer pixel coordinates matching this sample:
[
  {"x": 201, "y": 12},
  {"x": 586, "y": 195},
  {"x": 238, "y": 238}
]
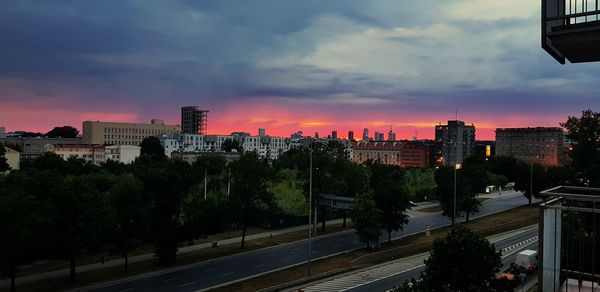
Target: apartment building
[
  {"x": 111, "y": 133},
  {"x": 265, "y": 146},
  {"x": 97, "y": 154},
  {"x": 542, "y": 145},
  {"x": 403, "y": 154},
  {"x": 454, "y": 142}
]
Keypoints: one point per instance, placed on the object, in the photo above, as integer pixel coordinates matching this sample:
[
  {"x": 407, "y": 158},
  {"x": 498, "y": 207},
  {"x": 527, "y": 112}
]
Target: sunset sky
[{"x": 286, "y": 65}]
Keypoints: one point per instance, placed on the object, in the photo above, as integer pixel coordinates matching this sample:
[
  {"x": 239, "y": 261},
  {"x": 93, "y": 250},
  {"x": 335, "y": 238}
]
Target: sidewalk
[{"x": 149, "y": 257}]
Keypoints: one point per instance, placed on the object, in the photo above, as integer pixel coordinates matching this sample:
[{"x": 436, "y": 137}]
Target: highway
[
  {"x": 222, "y": 271},
  {"x": 387, "y": 283}
]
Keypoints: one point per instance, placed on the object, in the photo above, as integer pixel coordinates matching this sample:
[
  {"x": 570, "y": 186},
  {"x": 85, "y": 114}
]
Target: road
[
  {"x": 387, "y": 283},
  {"x": 233, "y": 268}
]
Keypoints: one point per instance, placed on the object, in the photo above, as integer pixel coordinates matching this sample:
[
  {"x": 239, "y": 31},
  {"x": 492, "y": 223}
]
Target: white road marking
[
  {"x": 258, "y": 266},
  {"x": 226, "y": 274},
  {"x": 168, "y": 280},
  {"x": 187, "y": 284}
]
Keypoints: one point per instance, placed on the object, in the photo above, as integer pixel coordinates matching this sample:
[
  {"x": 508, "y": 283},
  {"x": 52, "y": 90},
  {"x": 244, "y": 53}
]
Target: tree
[
  {"x": 63, "y": 132},
  {"x": 288, "y": 195},
  {"x": 228, "y": 145},
  {"x": 419, "y": 183},
  {"x": 23, "y": 222},
  {"x": 367, "y": 219},
  {"x": 584, "y": 131},
  {"x": 526, "y": 173},
  {"x": 462, "y": 261},
  {"x": 392, "y": 200},
  {"x": 250, "y": 199},
  {"x": 80, "y": 224},
  {"x": 3, "y": 162},
  {"x": 151, "y": 149},
  {"x": 470, "y": 180},
  {"x": 131, "y": 214}
]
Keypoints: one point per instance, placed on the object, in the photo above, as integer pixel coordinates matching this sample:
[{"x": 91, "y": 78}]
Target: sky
[{"x": 286, "y": 65}]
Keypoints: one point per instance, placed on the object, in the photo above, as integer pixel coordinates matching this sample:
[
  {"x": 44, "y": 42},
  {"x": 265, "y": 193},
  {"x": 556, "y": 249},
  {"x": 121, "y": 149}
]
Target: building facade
[
  {"x": 191, "y": 157},
  {"x": 13, "y": 158},
  {"x": 454, "y": 142},
  {"x": 542, "y": 145},
  {"x": 2, "y": 132},
  {"x": 194, "y": 120},
  {"x": 351, "y": 135},
  {"x": 265, "y": 147},
  {"x": 403, "y": 154},
  {"x": 109, "y": 133},
  {"x": 97, "y": 154},
  {"x": 34, "y": 147},
  {"x": 365, "y": 136}
]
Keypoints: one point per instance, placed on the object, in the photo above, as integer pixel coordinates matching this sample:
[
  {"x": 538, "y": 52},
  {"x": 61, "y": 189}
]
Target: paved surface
[
  {"x": 234, "y": 268},
  {"x": 386, "y": 276}
]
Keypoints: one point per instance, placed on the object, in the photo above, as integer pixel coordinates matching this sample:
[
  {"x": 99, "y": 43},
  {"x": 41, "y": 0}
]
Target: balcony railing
[{"x": 570, "y": 23}]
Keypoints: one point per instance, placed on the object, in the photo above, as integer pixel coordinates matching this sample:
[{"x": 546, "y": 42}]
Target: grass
[
  {"x": 115, "y": 273},
  {"x": 489, "y": 225}
]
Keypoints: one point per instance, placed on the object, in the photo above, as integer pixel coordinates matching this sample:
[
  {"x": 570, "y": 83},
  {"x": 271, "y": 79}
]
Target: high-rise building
[
  {"x": 194, "y": 120},
  {"x": 334, "y": 135},
  {"x": 316, "y": 135},
  {"x": 365, "y": 136},
  {"x": 109, "y": 133},
  {"x": 532, "y": 145},
  {"x": 391, "y": 136},
  {"x": 262, "y": 132},
  {"x": 454, "y": 142},
  {"x": 2, "y": 132},
  {"x": 351, "y": 135},
  {"x": 379, "y": 137}
]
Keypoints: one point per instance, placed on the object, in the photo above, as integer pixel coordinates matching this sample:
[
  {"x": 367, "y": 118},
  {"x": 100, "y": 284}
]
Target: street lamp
[
  {"x": 456, "y": 168},
  {"x": 310, "y": 210}
]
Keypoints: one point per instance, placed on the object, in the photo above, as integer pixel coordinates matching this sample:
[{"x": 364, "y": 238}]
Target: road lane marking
[
  {"x": 187, "y": 284},
  {"x": 226, "y": 274},
  {"x": 258, "y": 266},
  {"x": 168, "y": 280}
]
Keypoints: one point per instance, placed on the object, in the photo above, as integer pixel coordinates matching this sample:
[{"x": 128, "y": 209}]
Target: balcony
[{"x": 571, "y": 30}]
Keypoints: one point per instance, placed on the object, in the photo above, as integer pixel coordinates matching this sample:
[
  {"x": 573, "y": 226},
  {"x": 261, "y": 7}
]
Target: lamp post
[
  {"x": 309, "y": 211},
  {"x": 456, "y": 168}
]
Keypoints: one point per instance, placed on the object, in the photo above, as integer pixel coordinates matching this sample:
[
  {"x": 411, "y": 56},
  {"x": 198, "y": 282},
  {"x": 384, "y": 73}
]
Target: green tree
[
  {"x": 228, "y": 145},
  {"x": 462, "y": 261},
  {"x": 131, "y": 216},
  {"x": 584, "y": 131},
  {"x": 392, "y": 200},
  {"x": 203, "y": 216},
  {"x": 23, "y": 225},
  {"x": 419, "y": 183},
  {"x": 151, "y": 149},
  {"x": 63, "y": 132},
  {"x": 250, "y": 200},
  {"x": 288, "y": 195},
  {"x": 3, "y": 162},
  {"x": 367, "y": 219},
  {"x": 80, "y": 224},
  {"x": 528, "y": 174}
]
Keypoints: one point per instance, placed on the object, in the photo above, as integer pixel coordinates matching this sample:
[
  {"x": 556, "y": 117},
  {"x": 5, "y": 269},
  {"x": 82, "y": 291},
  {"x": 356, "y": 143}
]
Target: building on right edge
[
  {"x": 541, "y": 145},
  {"x": 454, "y": 142}
]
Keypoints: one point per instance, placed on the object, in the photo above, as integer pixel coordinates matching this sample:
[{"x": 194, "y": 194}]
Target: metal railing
[{"x": 573, "y": 11}]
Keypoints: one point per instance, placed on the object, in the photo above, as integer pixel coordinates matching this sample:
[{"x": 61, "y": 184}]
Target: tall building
[
  {"x": 262, "y": 132},
  {"x": 2, "y": 132},
  {"x": 194, "y": 120},
  {"x": 334, "y": 135},
  {"x": 391, "y": 136},
  {"x": 365, "y": 136},
  {"x": 316, "y": 135},
  {"x": 392, "y": 153},
  {"x": 538, "y": 145},
  {"x": 379, "y": 137},
  {"x": 351, "y": 135},
  {"x": 109, "y": 133},
  {"x": 454, "y": 142}
]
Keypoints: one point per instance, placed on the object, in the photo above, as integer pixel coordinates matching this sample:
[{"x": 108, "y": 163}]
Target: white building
[
  {"x": 13, "y": 158},
  {"x": 266, "y": 147},
  {"x": 97, "y": 154}
]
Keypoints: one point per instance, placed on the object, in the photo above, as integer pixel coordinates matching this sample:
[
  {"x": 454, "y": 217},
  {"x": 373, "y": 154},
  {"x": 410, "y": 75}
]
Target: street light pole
[
  {"x": 309, "y": 211},
  {"x": 454, "y": 205},
  {"x": 531, "y": 183}
]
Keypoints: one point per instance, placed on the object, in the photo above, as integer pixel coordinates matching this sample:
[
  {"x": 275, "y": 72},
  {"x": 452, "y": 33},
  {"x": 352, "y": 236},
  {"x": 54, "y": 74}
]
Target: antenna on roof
[{"x": 456, "y": 113}]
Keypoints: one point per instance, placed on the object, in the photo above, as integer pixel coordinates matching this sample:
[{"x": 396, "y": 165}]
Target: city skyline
[{"x": 310, "y": 66}]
